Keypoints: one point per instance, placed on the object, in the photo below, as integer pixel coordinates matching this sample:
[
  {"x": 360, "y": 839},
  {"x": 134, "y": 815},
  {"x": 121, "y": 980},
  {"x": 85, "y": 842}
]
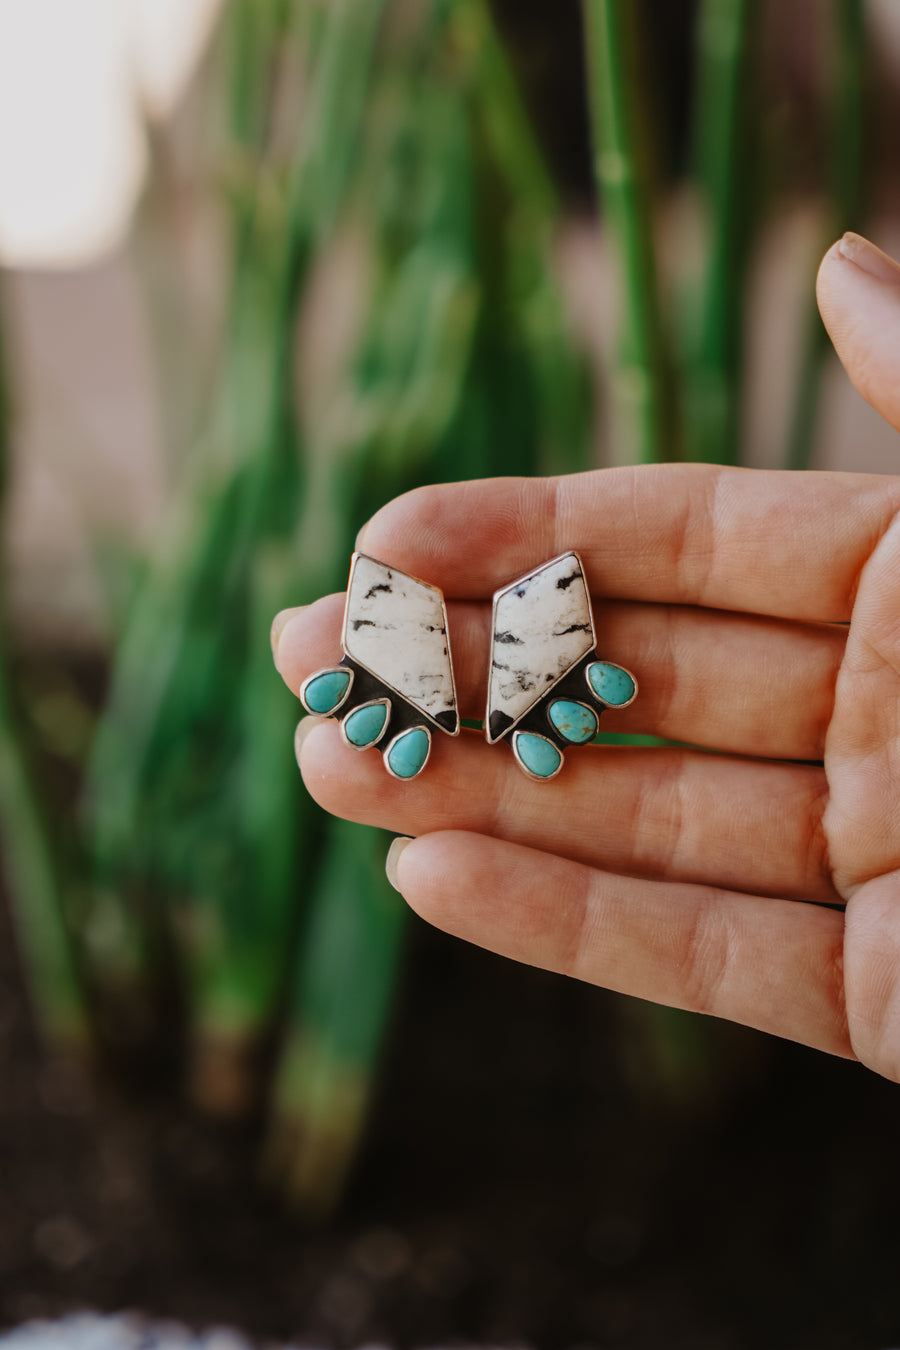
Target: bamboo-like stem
[
  {"x": 254, "y": 30},
  {"x": 501, "y": 111},
  {"x": 713, "y": 364},
  {"x": 343, "y": 996},
  {"x": 437, "y": 388},
  {"x": 846, "y": 141},
  {"x": 35, "y": 889},
  {"x": 133, "y": 732},
  {"x": 196, "y": 649},
  {"x": 270, "y": 814},
  {"x": 618, "y": 105},
  {"x": 553, "y": 368},
  {"x": 30, "y": 862}
]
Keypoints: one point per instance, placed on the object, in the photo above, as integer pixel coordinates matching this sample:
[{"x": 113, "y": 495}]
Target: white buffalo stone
[
  {"x": 396, "y": 627},
  {"x": 542, "y": 628}
]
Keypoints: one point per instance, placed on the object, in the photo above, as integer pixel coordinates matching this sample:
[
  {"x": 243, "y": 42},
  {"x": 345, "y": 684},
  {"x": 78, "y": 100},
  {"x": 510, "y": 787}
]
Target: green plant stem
[
  {"x": 255, "y": 30},
  {"x": 436, "y": 389},
  {"x": 713, "y": 373},
  {"x": 846, "y": 141},
  {"x": 552, "y": 367},
  {"x": 501, "y": 112},
  {"x": 343, "y": 997},
  {"x": 269, "y": 814},
  {"x": 35, "y": 892},
  {"x": 177, "y": 764},
  {"x": 30, "y": 863},
  {"x": 646, "y": 428}
]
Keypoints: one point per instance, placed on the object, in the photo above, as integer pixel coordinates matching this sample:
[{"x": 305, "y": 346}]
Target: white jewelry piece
[
  {"x": 395, "y": 682},
  {"x": 545, "y": 678}
]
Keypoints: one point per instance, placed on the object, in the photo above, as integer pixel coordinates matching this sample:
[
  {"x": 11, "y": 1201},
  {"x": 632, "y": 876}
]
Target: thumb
[{"x": 858, "y": 290}]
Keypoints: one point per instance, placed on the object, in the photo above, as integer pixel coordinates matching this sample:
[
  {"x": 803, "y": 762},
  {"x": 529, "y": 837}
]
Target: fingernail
[
  {"x": 869, "y": 259},
  {"x": 393, "y": 857},
  {"x": 304, "y": 727},
  {"x": 279, "y": 623}
]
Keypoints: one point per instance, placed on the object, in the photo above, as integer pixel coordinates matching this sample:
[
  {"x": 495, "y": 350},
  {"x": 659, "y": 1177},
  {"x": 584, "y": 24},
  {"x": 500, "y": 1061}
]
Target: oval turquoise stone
[
  {"x": 365, "y": 725},
  {"x": 539, "y": 756},
  {"x": 610, "y": 683},
  {"x": 323, "y": 694},
  {"x": 575, "y": 722},
  {"x": 409, "y": 752}
]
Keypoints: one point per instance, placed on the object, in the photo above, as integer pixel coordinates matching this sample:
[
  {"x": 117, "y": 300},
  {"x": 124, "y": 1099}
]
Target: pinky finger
[{"x": 770, "y": 964}]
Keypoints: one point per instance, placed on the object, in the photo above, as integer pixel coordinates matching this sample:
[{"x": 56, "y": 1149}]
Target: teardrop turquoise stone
[
  {"x": 610, "y": 683},
  {"x": 366, "y": 725},
  {"x": 575, "y": 722},
  {"x": 409, "y": 752},
  {"x": 323, "y": 694},
  {"x": 539, "y": 756}
]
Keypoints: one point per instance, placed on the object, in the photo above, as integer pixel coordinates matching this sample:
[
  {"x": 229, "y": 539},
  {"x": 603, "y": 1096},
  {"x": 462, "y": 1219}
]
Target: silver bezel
[
  {"x": 613, "y": 707},
  {"x": 369, "y": 703},
  {"x": 327, "y": 670},
  {"x": 399, "y": 737},
  {"x": 536, "y": 777},
  {"x": 581, "y": 704}
]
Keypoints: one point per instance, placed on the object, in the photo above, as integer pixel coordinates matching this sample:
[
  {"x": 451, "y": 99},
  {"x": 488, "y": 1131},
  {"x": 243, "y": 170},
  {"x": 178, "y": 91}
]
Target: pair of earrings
[{"x": 395, "y": 682}]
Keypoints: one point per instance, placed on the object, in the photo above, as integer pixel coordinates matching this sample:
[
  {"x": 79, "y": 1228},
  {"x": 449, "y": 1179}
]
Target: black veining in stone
[{"x": 564, "y": 583}]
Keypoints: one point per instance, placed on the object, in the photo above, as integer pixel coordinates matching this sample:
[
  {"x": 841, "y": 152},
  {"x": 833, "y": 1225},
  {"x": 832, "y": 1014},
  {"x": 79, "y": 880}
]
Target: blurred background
[{"x": 265, "y": 264}]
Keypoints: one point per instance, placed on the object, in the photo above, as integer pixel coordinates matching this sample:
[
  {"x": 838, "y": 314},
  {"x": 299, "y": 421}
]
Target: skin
[{"x": 761, "y": 613}]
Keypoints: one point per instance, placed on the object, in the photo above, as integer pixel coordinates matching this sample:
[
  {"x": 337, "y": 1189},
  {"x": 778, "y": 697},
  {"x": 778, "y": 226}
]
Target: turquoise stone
[
  {"x": 409, "y": 752},
  {"x": 325, "y": 692},
  {"x": 538, "y": 755},
  {"x": 366, "y": 725},
  {"x": 612, "y": 685},
  {"x": 575, "y": 722}
]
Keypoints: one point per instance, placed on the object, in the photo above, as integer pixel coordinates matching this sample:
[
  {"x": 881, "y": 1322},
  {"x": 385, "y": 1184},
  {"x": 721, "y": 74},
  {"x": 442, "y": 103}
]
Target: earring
[
  {"x": 395, "y": 681},
  {"x": 544, "y": 668}
]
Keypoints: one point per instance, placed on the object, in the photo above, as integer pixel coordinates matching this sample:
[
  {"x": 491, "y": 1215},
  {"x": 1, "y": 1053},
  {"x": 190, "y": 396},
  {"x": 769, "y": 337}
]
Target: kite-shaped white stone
[
  {"x": 396, "y": 628},
  {"x": 542, "y": 627}
]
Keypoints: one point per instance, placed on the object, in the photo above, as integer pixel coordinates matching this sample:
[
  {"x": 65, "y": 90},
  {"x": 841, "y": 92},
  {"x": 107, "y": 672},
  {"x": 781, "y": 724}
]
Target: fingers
[
  {"x": 653, "y": 813},
  {"x": 729, "y": 681},
  {"x": 858, "y": 289},
  {"x": 787, "y": 545},
  {"x": 766, "y": 963},
  {"x": 864, "y": 735}
]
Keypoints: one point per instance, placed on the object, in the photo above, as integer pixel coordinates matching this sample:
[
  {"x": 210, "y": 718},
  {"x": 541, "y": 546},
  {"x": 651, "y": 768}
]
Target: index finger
[{"x": 791, "y": 545}]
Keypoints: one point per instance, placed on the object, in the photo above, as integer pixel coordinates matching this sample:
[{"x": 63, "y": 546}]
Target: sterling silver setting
[
  {"x": 396, "y": 658},
  {"x": 546, "y": 685},
  {"x": 312, "y": 679},
  {"x": 395, "y": 742}
]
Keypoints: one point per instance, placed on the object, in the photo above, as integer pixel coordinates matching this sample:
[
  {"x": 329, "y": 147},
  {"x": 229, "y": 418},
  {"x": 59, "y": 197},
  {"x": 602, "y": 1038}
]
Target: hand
[{"x": 752, "y": 883}]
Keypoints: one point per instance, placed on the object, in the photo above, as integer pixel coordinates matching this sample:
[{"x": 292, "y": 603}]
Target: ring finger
[
  {"x": 732, "y": 682},
  {"x": 679, "y": 814}
]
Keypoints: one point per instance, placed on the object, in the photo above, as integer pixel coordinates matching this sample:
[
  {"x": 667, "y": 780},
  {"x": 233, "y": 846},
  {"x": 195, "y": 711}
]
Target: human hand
[{"x": 671, "y": 873}]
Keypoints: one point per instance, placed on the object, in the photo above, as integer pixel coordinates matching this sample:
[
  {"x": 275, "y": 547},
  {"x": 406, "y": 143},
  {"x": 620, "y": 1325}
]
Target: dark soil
[{"x": 526, "y": 1178}]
